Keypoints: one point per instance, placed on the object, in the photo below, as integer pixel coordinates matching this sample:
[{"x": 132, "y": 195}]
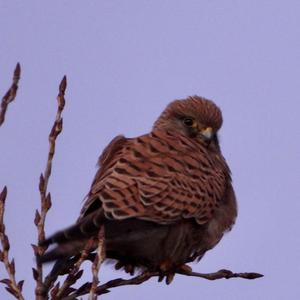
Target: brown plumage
[{"x": 164, "y": 198}]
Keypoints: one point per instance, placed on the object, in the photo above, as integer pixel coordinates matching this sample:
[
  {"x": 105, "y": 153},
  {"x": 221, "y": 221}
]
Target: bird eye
[{"x": 189, "y": 122}]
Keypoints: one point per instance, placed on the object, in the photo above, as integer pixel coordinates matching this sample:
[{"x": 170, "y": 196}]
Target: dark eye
[{"x": 189, "y": 122}]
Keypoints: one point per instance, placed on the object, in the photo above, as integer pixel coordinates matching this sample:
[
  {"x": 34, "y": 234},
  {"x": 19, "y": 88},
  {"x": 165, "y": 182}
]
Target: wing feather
[{"x": 157, "y": 177}]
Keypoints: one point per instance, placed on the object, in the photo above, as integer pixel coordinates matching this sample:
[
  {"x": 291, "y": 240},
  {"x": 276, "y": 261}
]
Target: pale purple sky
[{"x": 125, "y": 60}]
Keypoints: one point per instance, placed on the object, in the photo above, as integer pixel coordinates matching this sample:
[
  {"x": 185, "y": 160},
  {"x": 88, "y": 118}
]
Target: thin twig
[
  {"x": 104, "y": 288},
  {"x": 11, "y": 284},
  {"x": 100, "y": 256},
  {"x": 74, "y": 274},
  {"x": 40, "y": 216},
  {"x": 10, "y": 94},
  {"x": 227, "y": 274}
]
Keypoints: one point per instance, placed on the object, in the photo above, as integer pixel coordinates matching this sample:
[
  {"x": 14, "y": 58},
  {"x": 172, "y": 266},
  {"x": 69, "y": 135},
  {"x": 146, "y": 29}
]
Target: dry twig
[
  {"x": 40, "y": 216},
  {"x": 73, "y": 274},
  {"x": 104, "y": 288},
  {"x": 10, "y": 94},
  {"x": 99, "y": 258},
  {"x": 11, "y": 284},
  {"x": 221, "y": 274}
]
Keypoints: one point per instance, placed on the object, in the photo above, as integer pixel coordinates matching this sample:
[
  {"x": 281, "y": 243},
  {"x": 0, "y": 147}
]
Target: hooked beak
[{"x": 207, "y": 132}]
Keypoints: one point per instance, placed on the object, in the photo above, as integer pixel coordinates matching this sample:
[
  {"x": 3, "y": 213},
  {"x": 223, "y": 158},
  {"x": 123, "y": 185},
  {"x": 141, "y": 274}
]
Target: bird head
[{"x": 195, "y": 117}]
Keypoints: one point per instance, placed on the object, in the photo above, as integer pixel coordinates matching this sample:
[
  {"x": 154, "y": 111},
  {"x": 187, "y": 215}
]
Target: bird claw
[
  {"x": 169, "y": 277},
  {"x": 128, "y": 268},
  {"x": 118, "y": 265},
  {"x": 166, "y": 271},
  {"x": 169, "y": 274},
  {"x": 161, "y": 277}
]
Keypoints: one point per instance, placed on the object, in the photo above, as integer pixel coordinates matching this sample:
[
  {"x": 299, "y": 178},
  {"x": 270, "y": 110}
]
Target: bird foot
[
  {"x": 169, "y": 277},
  {"x": 184, "y": 269},
  {"x": 128, "y": 268},
  {"x": 166, "y": 271}
]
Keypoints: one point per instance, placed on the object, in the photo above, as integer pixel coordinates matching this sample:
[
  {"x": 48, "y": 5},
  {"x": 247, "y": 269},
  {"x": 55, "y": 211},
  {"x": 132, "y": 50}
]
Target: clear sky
[{"x": 125, "y": 60}]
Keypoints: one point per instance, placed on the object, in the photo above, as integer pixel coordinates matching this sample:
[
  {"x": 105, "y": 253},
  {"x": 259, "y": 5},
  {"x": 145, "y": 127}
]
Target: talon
[
  {"x": 161, "y": 277},
  {"x": 129, "y": 269},
  {"x": 169, "y": 278},
  {"x": 118, "y": 265}
]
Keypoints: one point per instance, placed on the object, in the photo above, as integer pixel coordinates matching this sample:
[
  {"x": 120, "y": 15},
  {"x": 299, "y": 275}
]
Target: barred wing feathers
[{"x": 161, "y": 177}]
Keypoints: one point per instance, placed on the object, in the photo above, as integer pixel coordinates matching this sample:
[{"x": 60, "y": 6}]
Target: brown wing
[
  {"x": 109, "y": 157},
  {"x": 157, "y": 177}
]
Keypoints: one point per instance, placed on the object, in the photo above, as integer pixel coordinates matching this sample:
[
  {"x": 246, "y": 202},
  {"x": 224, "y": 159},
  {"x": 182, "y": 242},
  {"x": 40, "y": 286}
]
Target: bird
[{"x": 163, "y": 199}]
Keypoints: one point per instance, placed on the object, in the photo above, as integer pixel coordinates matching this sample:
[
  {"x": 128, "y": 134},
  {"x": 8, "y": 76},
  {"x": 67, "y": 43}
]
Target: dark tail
[{"x": 73, "y": 239}]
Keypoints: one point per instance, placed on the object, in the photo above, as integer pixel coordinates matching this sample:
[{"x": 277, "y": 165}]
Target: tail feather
[
  {"x": 72, "y": 240},
  {"x": 62, "y": 251}
]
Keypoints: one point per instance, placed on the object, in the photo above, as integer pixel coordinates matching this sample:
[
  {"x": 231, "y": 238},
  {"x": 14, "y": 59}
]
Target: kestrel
[{"x": 164, "y": 198}]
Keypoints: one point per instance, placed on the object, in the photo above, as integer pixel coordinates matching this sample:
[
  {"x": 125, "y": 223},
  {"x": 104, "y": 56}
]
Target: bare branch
[
  {"x": 221, "y": 274},
  {"x": 11, "y": 284},
  {"x": 75, "y": 272},
  {"x": 104, "y": 288},
  {"x": 10, "y": 94},
  {"x": 100, "y": 256},
  {"x": 40, "y": 216}
]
